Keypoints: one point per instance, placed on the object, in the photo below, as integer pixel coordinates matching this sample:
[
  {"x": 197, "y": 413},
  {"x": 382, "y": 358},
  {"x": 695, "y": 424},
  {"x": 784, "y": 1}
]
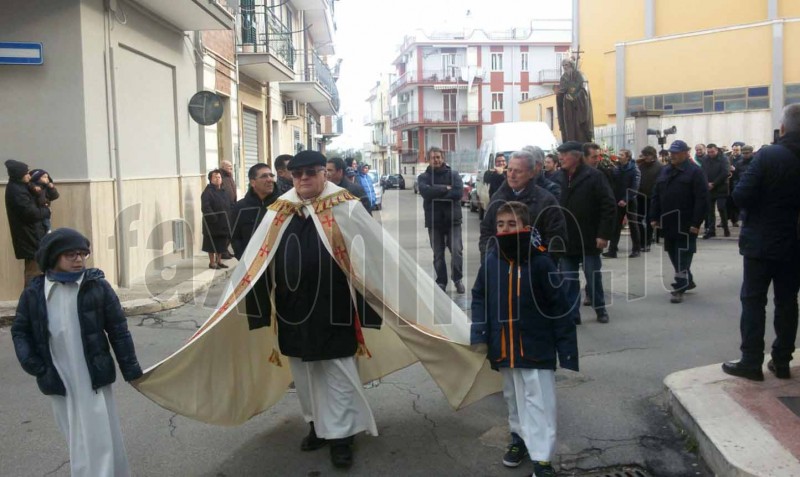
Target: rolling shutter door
[{"x": 250, "y": 127}]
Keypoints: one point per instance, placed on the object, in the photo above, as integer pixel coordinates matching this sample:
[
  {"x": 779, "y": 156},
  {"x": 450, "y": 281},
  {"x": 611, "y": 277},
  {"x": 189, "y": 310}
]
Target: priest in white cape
[{"x": 324, "y": 296}]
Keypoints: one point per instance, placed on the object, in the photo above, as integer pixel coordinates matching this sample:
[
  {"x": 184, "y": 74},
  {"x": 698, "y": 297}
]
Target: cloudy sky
[{"x": 369, "y": 32}]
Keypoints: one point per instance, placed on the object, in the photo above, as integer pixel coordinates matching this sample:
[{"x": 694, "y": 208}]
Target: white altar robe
[{"x": 88, "y": 419}]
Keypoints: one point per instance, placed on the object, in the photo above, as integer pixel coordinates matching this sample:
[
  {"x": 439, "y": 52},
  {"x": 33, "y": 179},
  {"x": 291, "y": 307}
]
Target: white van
[{"x": 507, "y": 138}]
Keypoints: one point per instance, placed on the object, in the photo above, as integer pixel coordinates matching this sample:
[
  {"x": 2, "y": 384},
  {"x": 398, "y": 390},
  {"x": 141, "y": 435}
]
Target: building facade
[
  {"x": 449, "y": 85},
  {"x": 382, "y": 156},
  {"x": 720, "y": 71},
  {"x": 107, "y": 113}
]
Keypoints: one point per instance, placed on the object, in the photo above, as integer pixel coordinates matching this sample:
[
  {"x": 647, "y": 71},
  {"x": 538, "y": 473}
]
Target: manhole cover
[
  {"x": 623, "y": 471},
  {"x": 792, "y": 402}
]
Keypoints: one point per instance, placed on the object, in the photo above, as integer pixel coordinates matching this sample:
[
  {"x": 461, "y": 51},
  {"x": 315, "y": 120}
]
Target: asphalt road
[{"x": 611, "y": 413}]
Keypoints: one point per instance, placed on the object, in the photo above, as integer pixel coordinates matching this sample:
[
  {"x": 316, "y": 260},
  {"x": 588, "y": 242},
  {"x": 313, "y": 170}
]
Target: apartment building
[
  {"x": 382, "y": 156},
  {"x": 449, "y": 85}
]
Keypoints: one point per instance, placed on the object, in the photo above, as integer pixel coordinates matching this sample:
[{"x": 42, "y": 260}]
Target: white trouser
[
  {"x": 331, "y": 397},
  {"x": 531, "y": 398}
]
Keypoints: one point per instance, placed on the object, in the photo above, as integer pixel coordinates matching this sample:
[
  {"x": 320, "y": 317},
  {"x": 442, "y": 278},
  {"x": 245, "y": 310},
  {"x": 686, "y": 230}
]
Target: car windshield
[{"x": 374, "y": 176}]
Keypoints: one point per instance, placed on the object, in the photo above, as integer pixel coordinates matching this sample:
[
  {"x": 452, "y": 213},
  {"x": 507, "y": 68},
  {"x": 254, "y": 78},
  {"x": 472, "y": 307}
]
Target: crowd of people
[{"x": 549, "y": 215}]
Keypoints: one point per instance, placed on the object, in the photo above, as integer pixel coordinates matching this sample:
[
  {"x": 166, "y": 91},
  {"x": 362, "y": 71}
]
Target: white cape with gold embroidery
[{"x": 224, "y": 375}]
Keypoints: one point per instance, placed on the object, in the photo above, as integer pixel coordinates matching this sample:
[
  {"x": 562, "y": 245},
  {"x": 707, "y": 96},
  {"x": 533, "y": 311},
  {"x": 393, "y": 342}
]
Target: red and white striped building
[{"x": 448, "y": 86}]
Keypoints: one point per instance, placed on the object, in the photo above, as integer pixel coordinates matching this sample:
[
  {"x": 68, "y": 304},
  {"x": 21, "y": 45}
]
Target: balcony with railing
[
  {"x": 191, "y": 15},
  {"x": 550, "y": 76},
  {"x": 436, "y": 118},
  {"x": 450, "y": 75},
  {"x": 332, "y": 126},
  {"x": 319, "y": 18},
  {"x": 313, "y": 85},
  {"x": 264, "y": 45}
]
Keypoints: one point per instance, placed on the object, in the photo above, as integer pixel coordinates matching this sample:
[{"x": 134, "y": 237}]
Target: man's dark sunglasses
[{"x": 308, "y": 171}]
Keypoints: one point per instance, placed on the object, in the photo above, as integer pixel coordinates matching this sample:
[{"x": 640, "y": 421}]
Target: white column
[
  {"x": 576, "y": 24},
  {"x": 649, "y": 18},
  {"x": 776, "y": 88},
  {"x": 620, "y": 97},
  {"x": 772, "y": 9}
]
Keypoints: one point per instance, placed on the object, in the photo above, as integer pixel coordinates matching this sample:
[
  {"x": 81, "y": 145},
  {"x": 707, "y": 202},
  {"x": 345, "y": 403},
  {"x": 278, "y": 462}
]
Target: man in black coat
[
  {"x": 26, "y": 219},
  {"x": 247, "y": 215},
  {"x": 248, "y": 212},
  {"x": 316, "y": 319},
  {"x": 589, "y": 208},
  {"x": 717, "y": 170},
  {"x": 495, "y": 177},
  {"x": 441, "y": 189},
  {"x": 284, "y": 180},
  {"x": 769, "y": 197},
  {"x": 650, "y": 169},
  {"x": 680, "y": 199},
  {"x": 626, "y": 180},
  {"x": 336, "y": 173},
  {"x": 521, "y": 186}
]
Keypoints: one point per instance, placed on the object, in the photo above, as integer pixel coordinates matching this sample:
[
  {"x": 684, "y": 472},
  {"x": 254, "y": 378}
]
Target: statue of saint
[{"x": 574, "y": 105}]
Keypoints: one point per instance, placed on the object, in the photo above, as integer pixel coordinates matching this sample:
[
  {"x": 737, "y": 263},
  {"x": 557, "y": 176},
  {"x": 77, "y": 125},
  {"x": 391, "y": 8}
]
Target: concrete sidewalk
[
  {"x": 742, "y": 427},
  {"x": 162, "y": 290}
]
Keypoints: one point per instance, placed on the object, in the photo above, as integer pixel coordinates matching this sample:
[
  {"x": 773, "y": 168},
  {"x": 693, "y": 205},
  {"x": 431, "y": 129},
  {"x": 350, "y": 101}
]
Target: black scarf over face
[{"x": 515, "y": 246}]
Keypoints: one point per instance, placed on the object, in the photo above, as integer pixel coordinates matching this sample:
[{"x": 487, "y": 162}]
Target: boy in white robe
[
  {"x": 64, "y": 323},
  {"x": 524, "y": 320}
]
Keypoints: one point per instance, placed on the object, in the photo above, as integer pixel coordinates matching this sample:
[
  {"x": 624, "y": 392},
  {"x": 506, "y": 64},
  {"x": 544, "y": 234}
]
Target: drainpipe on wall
[
  {"x": 121, "y": 239},
  {"x": 619, "y": 142}
]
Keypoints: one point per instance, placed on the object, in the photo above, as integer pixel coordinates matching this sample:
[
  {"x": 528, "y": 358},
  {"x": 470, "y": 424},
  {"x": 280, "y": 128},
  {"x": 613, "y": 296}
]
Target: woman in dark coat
[{"x": 216, "y": 208}]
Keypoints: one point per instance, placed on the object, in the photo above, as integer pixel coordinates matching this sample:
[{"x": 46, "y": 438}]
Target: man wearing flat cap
[
  {"x": 26, "y": 218},
  {"x": 590, "y": 211},
  {"x": 679, "y": 206},
  {"x": 336, "y": 282}
]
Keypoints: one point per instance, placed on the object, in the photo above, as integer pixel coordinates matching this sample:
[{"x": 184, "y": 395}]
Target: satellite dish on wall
[{"x": 206, "y": 108}]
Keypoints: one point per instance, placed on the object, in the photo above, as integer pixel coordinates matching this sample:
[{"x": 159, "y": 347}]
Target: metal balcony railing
[
  {"x": 550, "y": 76},
  {"x": 449, "y": 75},
  {"x": 262, "y": 32},
  {"x": 315, "y": 70},
  {"x": 450, "y": 117}
]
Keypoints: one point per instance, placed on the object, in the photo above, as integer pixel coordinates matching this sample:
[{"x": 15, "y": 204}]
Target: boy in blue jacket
[
  {"x": 524, "y": 320},
  {"x": 67, "y": 322}
]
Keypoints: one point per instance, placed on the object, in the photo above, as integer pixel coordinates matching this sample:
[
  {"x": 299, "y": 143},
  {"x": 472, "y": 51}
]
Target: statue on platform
[{"x": 574, "y": 105}]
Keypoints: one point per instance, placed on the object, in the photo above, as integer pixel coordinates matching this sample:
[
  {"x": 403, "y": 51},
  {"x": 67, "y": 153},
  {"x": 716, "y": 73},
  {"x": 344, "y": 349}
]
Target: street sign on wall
[{"x": 20, "y": 53}]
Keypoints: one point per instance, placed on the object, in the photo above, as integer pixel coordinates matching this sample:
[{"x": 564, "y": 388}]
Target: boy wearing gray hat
[{"x": 64, "y": 324}]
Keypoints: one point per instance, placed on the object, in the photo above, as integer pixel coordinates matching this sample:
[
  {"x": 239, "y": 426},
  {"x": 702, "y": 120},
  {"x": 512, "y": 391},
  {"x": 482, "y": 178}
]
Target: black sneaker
[
  {"x": 460, "y": 287},
  {"x": 602, "y": 317},
  {"x": 609, "y": 254},
  {"x": 543, "y": 469},
  {"x": 515, "y": 454}
]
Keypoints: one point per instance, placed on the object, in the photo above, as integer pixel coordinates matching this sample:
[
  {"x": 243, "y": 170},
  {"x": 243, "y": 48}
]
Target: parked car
[
  {"x": 473, "y": 200},
  {"x": 469, "y": 183},
  {"x": 376, "y": 184},
  {"x": 394, "y": 181}
]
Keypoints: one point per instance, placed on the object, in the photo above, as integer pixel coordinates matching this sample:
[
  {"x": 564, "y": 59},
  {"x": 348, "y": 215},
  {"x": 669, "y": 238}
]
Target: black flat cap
[
  {"x": 571, "y": 146},
  {"x": 307, "y": 159}
]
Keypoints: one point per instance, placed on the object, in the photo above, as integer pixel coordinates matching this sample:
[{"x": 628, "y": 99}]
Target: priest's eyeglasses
[
  {"x": 73, "y": 255},
  {"x": 308, "y": 171}
]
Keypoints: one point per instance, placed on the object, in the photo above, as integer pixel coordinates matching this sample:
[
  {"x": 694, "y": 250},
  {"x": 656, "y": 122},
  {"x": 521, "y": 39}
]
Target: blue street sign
[{"x": 20, "y": 53}]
